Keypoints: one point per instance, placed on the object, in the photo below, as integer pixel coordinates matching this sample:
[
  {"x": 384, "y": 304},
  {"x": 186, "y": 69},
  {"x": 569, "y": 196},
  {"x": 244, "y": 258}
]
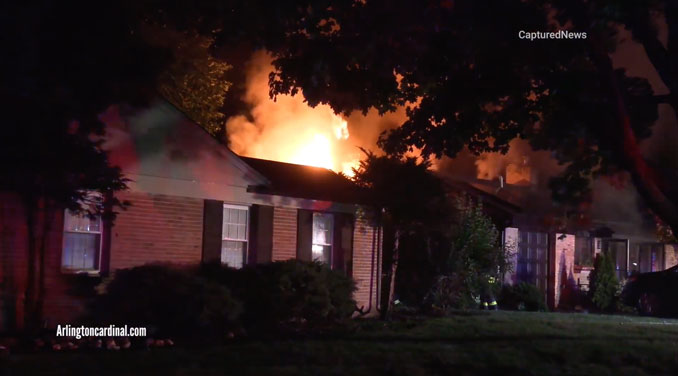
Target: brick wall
[
  {"x": 157, "y": 228},
  {"x": 60, "y": 306},
  {"x": 284, "y": 234},
  {"x": 365, "y": 267},
  {"x": 564, "y": 283}
]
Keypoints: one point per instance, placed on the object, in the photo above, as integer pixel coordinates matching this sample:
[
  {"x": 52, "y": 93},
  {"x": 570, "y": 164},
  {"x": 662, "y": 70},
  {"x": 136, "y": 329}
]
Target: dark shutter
[
  {"x": 342, "y": 247},
  {"x": 106, "y": 235},
  {"x": 213, "y": 215},
  {"x": 261, "y": 234},
  {"x": 304, "y": 235}
]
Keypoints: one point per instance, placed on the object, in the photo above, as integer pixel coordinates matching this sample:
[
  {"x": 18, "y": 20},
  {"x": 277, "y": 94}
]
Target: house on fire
[
  {"x": 192, "y": 200},
  {"x": 555, "y": 254}
]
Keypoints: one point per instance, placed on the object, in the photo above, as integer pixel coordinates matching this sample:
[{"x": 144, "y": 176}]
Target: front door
[{"x": 533, "y": 259}]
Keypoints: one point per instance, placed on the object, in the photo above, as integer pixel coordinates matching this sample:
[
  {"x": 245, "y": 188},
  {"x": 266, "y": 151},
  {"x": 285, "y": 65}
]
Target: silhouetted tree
[
  {"x": 63, "y": 64},
  {"x": 475, "y": 83},
  {"x": 406, "y": 198}
]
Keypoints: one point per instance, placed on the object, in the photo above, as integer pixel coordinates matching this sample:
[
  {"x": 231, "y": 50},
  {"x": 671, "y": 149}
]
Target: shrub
[
  {"x": 448, "y": 293},
  {"x": 168, "y": 301},
  {"x": 288, "y": 292},
  {"x": 604, "y": 284},
  {"x": 523, "y": 296},
  {"x": 476, "y": 251}
]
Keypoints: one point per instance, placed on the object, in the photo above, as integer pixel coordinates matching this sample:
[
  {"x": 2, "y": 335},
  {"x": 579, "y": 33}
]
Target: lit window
[
  {"x": 82, "y": 242},
  {"x": 322, "y": 237},
  {"x": 234, "y": 235}
]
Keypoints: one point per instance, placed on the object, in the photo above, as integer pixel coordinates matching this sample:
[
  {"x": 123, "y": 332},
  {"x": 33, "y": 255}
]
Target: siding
[
  {"x": 284, "y": 234},
  {"x": 157, "y": 228}
]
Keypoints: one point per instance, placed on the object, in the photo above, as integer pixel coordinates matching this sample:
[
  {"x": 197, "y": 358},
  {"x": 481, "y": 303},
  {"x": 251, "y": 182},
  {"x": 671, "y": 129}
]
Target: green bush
[
  {"x": 285, "y": 293},
  {"x": 167, "y": 300},
  {"x": 522, "y": 297},
  {"x": 449, "y": 293},
  {"x": 476, "y": 252},
  {"x": 604, "y": 286}
]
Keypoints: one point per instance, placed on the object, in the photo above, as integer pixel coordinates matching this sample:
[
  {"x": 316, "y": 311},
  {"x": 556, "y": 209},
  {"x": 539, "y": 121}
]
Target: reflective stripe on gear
[
  {"x": 485, "y": 304},
  {"x": 494, "y": 303}
]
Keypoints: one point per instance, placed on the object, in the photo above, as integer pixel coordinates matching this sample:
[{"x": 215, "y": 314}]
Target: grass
[{"x": 510, "y": 343}]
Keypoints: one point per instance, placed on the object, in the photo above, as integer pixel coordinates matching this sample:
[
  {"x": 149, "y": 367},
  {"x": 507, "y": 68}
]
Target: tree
[
  {"x": 195, "y": 82},
  {"x": 473, "y": 81},
  {"x": 63, "y": 65},
  {"x": 405, "y": 198},
  {"x": 604, "y": 284},
  {"x": 476, "y": 251}
]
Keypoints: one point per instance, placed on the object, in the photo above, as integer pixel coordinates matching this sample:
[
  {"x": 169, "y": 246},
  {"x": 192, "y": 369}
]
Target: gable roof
[
  {"x": 161, "y": 142},
  {"x": 300, "y": 181},
  {"x": 488, "y": 195}
]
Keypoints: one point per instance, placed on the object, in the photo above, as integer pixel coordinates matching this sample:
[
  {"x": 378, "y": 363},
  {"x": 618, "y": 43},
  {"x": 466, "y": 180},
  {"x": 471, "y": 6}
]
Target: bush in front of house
[
  {"x": 449, "y": 292},
  {"x": 522, "y": 297},
  {"x": 167, "y": 300},
  {"x": 287, "y": 293},
  {"x": 475, "y": 258},
  {"x": 604, "y": 286}
]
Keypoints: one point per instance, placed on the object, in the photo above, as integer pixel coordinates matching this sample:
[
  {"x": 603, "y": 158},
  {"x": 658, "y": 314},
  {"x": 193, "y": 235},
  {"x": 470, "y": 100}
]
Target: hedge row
[{"x": 212, "y": 300}]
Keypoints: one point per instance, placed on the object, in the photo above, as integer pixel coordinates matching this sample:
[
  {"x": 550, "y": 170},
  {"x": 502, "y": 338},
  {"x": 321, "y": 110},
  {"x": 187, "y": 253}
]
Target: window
[
  {"x": 532, "y": 264},
  {"x": 82, "y": 242},
  {"x": 646, "y": 257},
  {"x": 583, "y": 250},
  {"x": 321, "y": 247},
  {"x": 234, "y": 235}
]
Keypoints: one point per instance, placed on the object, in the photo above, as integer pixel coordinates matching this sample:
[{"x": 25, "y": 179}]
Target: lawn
[{"x": 510, "y": 343}]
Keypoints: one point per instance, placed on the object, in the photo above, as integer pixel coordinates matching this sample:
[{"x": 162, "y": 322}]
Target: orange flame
[{"x": 287, "y": 129}]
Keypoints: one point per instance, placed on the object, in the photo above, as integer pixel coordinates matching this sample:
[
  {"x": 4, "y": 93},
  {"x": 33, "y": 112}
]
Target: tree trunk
[
  {"x": 390, "y": 267},
  {"x": 626, "y": 146},
  {"x": 47, "y": 218},
  {"x": 624, "y": 142},
  {"x": 30, "y": 207}
]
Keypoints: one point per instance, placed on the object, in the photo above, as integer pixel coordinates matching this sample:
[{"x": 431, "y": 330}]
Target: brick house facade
[
  {"x": 558, "y": 256},
  {"x": 191, "y": 200}
]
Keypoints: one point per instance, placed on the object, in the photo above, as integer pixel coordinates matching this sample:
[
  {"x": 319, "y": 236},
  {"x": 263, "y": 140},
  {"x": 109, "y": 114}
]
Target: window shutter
[
  {"x": 342, "y": 249},
  {"x": 304, "y": 234},
  {"x": 213, "y": 213},
  {"x": 261, "y": 234}
]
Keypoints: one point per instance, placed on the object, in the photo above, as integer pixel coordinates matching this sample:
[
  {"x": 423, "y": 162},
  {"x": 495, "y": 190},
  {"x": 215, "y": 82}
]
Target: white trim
[{"x": 241, "y": 207}]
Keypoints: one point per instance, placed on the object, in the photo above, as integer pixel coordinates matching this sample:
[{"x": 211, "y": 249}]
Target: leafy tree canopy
[
  {"x": 63, "y": 64},
  {"x": 405, "y": 192},
  {"x": 468, "y": 77}
]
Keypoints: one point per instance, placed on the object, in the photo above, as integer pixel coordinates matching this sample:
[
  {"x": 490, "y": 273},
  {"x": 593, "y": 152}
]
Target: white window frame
[
  {"x": 331, "y": 236},
  {"x": 63, "y": 244},
  {"x": 246, "y": 208}
]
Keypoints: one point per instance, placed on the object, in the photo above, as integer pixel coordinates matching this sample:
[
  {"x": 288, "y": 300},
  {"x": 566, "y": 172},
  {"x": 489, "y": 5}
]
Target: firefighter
[{"x": 487, "y": 296}]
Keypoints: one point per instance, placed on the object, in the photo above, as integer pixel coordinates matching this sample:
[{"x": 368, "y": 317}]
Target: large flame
[{"x": 289, "y": 130}]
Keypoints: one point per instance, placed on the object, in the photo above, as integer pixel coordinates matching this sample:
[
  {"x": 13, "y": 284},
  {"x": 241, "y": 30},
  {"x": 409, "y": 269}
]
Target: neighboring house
[
  {"x": 558, "y": 255},
  {"x": 192, "y": 200}
]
